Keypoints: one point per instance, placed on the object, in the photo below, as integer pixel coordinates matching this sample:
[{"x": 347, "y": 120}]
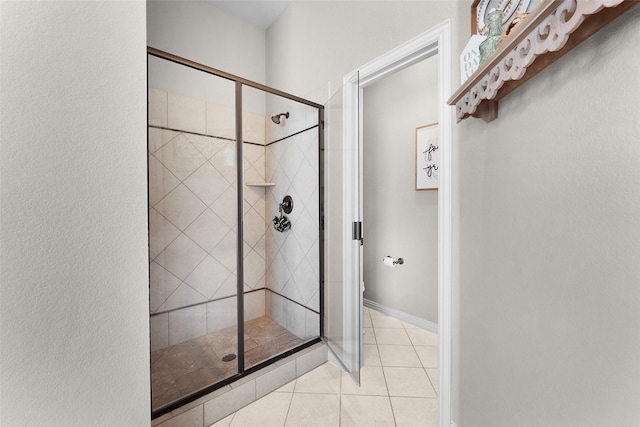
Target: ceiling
[{"x": 261, "y": 13}]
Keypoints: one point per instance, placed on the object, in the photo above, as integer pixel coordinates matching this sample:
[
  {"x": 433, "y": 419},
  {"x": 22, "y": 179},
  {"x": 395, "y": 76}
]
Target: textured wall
[
  {"x": 73, "y": 315},
  {"x": 549, "y": 236}
]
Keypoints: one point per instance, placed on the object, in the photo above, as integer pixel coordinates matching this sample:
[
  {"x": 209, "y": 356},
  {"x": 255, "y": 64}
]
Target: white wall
[
  {"x": 200, "y": 32},
  {"x": 548, "y": 234},
  {"x": 74, "y": 288},
  {"x": 398, "y": 220},
  {"x": 315, "y": 43}
]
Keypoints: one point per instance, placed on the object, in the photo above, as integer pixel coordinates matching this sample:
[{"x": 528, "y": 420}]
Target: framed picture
[{"x": 427, "y": 157}]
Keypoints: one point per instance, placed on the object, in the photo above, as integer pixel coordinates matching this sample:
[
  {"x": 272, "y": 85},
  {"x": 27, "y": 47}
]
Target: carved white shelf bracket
[{"x": 547, "y": 34}]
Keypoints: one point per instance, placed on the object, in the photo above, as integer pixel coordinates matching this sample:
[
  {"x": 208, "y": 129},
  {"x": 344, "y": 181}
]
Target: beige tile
[
  {"x": 384, "y": 321},
  {"x": 409, "y": 325},
  {"x": 184, "y": 295},
  {"x": 434, "y": 376},
  {"x": 207, "y": 231},
  {"x": 323, "y": 379},
  {"x": 369, "y": 337},
  {"x": 422, "y": 337},
  {"x": 371, "y": 355},
  {"x": 187, "y": 323},
  {"x": 225, "y": 422},
  {"x": 398, "y": 355},
  {"x": 408, "y": 382},
  {"x": 254, "y": 305},
  {"x": 221, "y": 120},
  {"x": 366, "y": 321},
  {"x": 253, "y": 128},
  {"x": 185, "y": 113},
  {"x": 157, "y": 107},
  {"x": 180, "y": 207},
  {"x": 224, "y": 405},
  {"x": 161, "y": 285},
  {"x": 161, "y": 181},
  {"x": 191, "y": 418},
  {"x": 270, "y": 411},
  {"x": 208, "y": 276},
  {"x": 222, "y": 314},
  {"x": 180, "y": 156},
  {"x": 415, "y": 412},
  {"x": 159, "y": 331},
  {"x": 393, "y": 336},
  {"x": 288, "y": 387},
  {"x": 312, "y": 358},
  {"x": 276, "y": 378},
  {"x": 365, "y": 411},
  {"x": 206, "y": 183},
  {"x": 372, "y": 382},
  {"x": 314, "y": 410},
  {"x": 428, "y": 356}
]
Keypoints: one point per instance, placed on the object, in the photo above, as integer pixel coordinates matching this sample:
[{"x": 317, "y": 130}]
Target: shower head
[{"x": 276, "y": 119}]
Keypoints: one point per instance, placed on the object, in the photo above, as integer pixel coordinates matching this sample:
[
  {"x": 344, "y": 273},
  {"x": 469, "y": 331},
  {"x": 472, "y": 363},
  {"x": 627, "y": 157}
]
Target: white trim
[
  {"x": 352, "y": 294},
  {"x": 401, "y": 315},
  {"x": 435, "y": 41}
]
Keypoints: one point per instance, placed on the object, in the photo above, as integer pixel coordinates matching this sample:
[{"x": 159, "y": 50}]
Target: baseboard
[{"x": 401, "y": 315}]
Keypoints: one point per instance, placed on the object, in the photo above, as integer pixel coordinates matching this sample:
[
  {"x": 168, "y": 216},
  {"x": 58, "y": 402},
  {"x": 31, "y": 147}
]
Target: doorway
[{"x": 436, "y": 41}]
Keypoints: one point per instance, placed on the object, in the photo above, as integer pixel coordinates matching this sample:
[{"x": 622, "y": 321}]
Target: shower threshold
[{"x": 185, "y": 368}]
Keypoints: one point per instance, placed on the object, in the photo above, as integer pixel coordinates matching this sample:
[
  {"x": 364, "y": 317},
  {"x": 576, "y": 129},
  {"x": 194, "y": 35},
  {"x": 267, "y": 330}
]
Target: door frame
[{"x": 436, "y": 41}]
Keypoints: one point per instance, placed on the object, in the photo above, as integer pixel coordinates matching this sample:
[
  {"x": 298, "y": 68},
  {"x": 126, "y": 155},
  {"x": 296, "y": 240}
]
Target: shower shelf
[{"x": 261, "y": 184}]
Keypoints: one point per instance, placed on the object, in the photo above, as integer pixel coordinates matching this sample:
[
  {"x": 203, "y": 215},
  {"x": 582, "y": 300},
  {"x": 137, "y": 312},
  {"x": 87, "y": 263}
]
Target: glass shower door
[
  {"x": 192, "y": 232},
  {"x": 343, "y": 290}
]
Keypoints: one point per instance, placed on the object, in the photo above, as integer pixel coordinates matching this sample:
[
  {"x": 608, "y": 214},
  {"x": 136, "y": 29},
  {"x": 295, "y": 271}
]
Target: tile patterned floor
[
  {"x": 399, "y": 386},
  {"x": 184, "y": 368}
]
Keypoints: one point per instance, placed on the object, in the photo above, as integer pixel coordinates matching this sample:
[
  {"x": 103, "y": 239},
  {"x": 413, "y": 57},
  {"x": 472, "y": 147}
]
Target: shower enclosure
[{"x": 235, "y": 233}]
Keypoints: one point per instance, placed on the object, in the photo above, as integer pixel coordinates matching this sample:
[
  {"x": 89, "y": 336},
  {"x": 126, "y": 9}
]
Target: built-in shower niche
[{"x": 193, "y": 236}]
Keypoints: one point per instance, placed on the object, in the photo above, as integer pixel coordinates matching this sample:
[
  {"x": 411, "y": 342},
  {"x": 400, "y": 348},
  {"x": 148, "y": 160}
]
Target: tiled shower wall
[
  {"x": 293, "y": 257},
  {"x": 192, "y": 218}
]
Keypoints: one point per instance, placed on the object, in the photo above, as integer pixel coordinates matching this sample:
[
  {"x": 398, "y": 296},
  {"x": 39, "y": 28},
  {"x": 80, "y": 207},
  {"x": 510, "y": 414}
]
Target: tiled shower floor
[{"x": 184, "y": 368}]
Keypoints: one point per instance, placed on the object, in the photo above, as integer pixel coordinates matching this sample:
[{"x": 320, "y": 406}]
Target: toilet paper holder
[{"x": 388, "y": 260}]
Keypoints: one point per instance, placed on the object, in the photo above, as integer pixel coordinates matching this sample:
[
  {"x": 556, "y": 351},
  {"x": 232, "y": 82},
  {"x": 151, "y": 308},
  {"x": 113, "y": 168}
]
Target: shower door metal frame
[{"x": 239, "y": 84}]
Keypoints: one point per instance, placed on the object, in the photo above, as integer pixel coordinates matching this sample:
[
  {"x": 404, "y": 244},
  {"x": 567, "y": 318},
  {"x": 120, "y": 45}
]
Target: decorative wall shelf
[
  {"x": 548, "y": 33},
  {"x": 261, "y": 184}
]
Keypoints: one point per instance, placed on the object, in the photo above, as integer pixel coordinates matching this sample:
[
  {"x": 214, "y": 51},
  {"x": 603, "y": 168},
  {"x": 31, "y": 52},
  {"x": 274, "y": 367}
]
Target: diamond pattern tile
[
  {"x": 161, "y": 181},
  {"x": 161, "y": 233},
  {"x": 253, "y": 227},
  {"x": 181, "y": 256},
  {"x": 181, "y": 207},
  {"x": 225, "y": 161},
  {"x": 193, "y": 220},
  {"x": 182, "y": 296},
  {"x": 254, "y": 269},
  {"x": 162, "y": 284},
  {"x": 207, "y": 146},
  {"x": 225, "y": 207},
  {"x": 207, "y": 230},
  {"x": 207, "y": 183},
  {"x": 305, "y": 280},
  {"x": 180, "y": 156},
  {"x": 208, "y": 276},
  {"x": 225, "y": 251}
]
